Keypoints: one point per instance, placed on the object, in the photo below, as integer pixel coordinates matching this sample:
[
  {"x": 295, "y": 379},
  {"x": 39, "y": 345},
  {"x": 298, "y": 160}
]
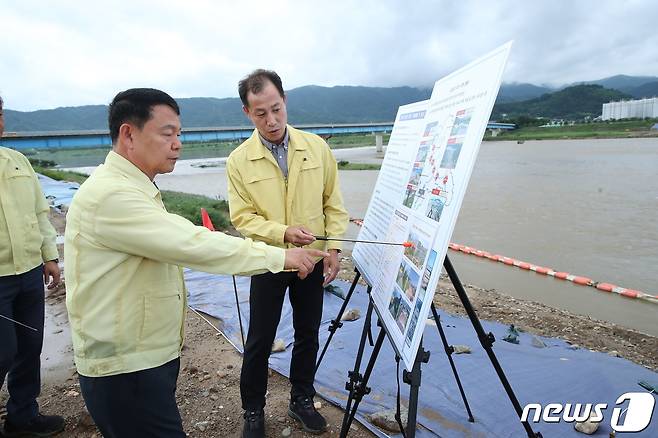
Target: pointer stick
[
  {"x": 19, "y": 323},
  {"x": 405, "y": 244}
]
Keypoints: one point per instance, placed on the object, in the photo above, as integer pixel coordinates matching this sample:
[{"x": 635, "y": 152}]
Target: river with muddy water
[{"x": 587, "y": 207}]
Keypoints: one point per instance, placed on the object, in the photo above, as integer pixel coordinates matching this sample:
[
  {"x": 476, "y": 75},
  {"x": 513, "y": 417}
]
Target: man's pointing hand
[{"x": 303, "y": 260}]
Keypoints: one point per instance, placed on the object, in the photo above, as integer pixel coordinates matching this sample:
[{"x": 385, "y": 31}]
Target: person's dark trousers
[
  {"x": 265, "y": 303},
  {"x": 140, "y": 404},
  {"x": 22, "y": 299}
]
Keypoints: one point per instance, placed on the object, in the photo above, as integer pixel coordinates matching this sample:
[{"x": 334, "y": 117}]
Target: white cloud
[{"x": 79, "y": 52}]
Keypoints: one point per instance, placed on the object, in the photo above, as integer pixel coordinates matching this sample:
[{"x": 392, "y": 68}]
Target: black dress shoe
[
  {"x": 302, "y": 409},
  {"x": 41, "y": 425},
  {"x": 254, "y": 424}
]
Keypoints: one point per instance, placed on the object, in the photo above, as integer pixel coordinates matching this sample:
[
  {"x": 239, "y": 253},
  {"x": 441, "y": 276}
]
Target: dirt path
[{"x": 208, "y": 392}]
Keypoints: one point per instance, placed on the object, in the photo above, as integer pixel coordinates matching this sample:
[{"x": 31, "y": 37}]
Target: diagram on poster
[{"x": 418, "y": 194}]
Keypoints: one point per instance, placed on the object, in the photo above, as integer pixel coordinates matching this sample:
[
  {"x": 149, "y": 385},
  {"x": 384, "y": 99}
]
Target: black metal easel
[{"x": 357, "y": 384}]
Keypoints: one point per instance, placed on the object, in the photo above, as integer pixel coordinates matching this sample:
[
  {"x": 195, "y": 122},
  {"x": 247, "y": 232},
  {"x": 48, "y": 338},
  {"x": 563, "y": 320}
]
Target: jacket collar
[
  {"x": 256, "y": 150},
  {"x": 117, "y": 162}
]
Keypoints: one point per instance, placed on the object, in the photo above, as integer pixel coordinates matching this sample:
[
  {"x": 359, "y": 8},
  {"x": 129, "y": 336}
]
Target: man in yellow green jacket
[
  {"x": 28, "y": 257},
  {"x": 125, "y": 292},
  {"x": 283, "y": 190}
]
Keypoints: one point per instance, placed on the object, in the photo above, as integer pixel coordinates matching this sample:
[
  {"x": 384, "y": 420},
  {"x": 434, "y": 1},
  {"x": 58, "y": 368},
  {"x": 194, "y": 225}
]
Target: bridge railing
[{"x": 101, "y": 138}]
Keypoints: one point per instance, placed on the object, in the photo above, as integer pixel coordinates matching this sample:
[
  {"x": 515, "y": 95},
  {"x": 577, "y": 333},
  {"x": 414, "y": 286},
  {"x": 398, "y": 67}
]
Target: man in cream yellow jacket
[
  {"x": 125, "y": 292},
  {"x": 283, "y": 189},
  {"x": 28, "y": 257}
]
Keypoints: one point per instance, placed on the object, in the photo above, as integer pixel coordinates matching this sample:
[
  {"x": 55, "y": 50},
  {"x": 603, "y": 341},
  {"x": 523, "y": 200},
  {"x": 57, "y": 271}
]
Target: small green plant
[
  {"x": 189, "y": 206},
  {"x": 42, "y": 163},
  {"x": 346, "y": 165}
]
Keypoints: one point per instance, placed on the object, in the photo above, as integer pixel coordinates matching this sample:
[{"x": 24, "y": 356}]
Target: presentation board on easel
[{"x": 428, "y": 163}]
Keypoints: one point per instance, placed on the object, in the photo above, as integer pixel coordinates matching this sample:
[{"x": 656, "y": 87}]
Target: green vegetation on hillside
[
  {"x": 355, "y": 104},
  {"x": 645, "y": 90},
  {"x": 183, "y": 204},
  {"x": 310, "y": 104},
  {"x": 573, "y": 103},
  {"x": 632, "y": 85}
]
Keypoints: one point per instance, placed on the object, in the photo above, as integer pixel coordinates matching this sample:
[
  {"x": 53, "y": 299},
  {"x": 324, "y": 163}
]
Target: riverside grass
[
  {"x": 346, "y": 165},
  {"x": 612, "y": 129},
  {"x": 93, "y": 156},
  {"x": 183, "y": 204}
]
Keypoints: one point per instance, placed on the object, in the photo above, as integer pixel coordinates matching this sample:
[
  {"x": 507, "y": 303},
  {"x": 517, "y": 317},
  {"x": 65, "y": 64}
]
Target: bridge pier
[{"x": 379, "y": 145}]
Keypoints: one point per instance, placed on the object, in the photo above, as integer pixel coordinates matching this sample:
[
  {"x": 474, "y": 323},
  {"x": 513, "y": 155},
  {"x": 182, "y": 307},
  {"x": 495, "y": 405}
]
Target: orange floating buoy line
[{"x": 583, "y": 281}]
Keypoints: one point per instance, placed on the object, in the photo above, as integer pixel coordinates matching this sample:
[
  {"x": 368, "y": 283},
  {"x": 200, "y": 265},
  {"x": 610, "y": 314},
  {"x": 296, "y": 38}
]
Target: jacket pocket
[
  {"x": 21, "y": 186},
  {"x": 310, "y": 164},
  {"x": 33, "y": 237},
  {"x": 267, "y": 193},
  {"x": 255, "y": 178},
  {"x": 162, "y": 321},
  {"x": 309, "y": 192}
]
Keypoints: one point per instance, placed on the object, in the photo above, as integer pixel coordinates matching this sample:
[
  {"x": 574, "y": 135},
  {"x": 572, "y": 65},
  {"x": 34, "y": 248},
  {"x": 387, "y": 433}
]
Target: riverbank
[
  {"x": 208, "y": 392},
  {"x": 593, "y": 130}
]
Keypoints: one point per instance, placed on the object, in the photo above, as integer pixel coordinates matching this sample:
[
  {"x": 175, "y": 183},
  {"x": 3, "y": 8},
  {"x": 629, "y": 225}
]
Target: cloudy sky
[{"x": 74, "y": 52}]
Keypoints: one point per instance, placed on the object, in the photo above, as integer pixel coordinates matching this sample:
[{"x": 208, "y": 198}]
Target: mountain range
[
  {"x": 572, "y": 103},
  {"x": 353, "y": 104}
]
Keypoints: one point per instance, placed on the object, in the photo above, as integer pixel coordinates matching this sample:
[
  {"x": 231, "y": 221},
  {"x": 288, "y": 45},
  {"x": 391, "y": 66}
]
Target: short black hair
[
  {"x": 134, "y": 106},
  {"x": 2, "y": 102},
  {"x": 256, "y": 81}
]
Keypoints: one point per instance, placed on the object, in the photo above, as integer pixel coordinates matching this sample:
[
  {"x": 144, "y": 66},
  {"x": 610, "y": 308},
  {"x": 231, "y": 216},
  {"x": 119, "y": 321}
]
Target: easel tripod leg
[
  {"x": 487, "y": 340},
  {"x": 336, "y": 322},
  {"x": 237, "y": 304},
  {"x": 414, "y": 378},
  {"x": 361, "y": 388},
  {"x": 449, "y": 350},
  {"x": 354, "y": 375}
]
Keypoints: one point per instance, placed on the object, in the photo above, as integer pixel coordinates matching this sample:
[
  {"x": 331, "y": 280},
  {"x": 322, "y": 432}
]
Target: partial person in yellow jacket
[
  {"x": 28, "y": 258},
  {"x": 283, "y": 189},
  {"x": 125, "y": 292}
]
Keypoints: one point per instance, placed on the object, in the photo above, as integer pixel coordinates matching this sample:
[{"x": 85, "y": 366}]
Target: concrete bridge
[
  {"x": 496, "y": 128},
  {"x": 101, "y": 138}
]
